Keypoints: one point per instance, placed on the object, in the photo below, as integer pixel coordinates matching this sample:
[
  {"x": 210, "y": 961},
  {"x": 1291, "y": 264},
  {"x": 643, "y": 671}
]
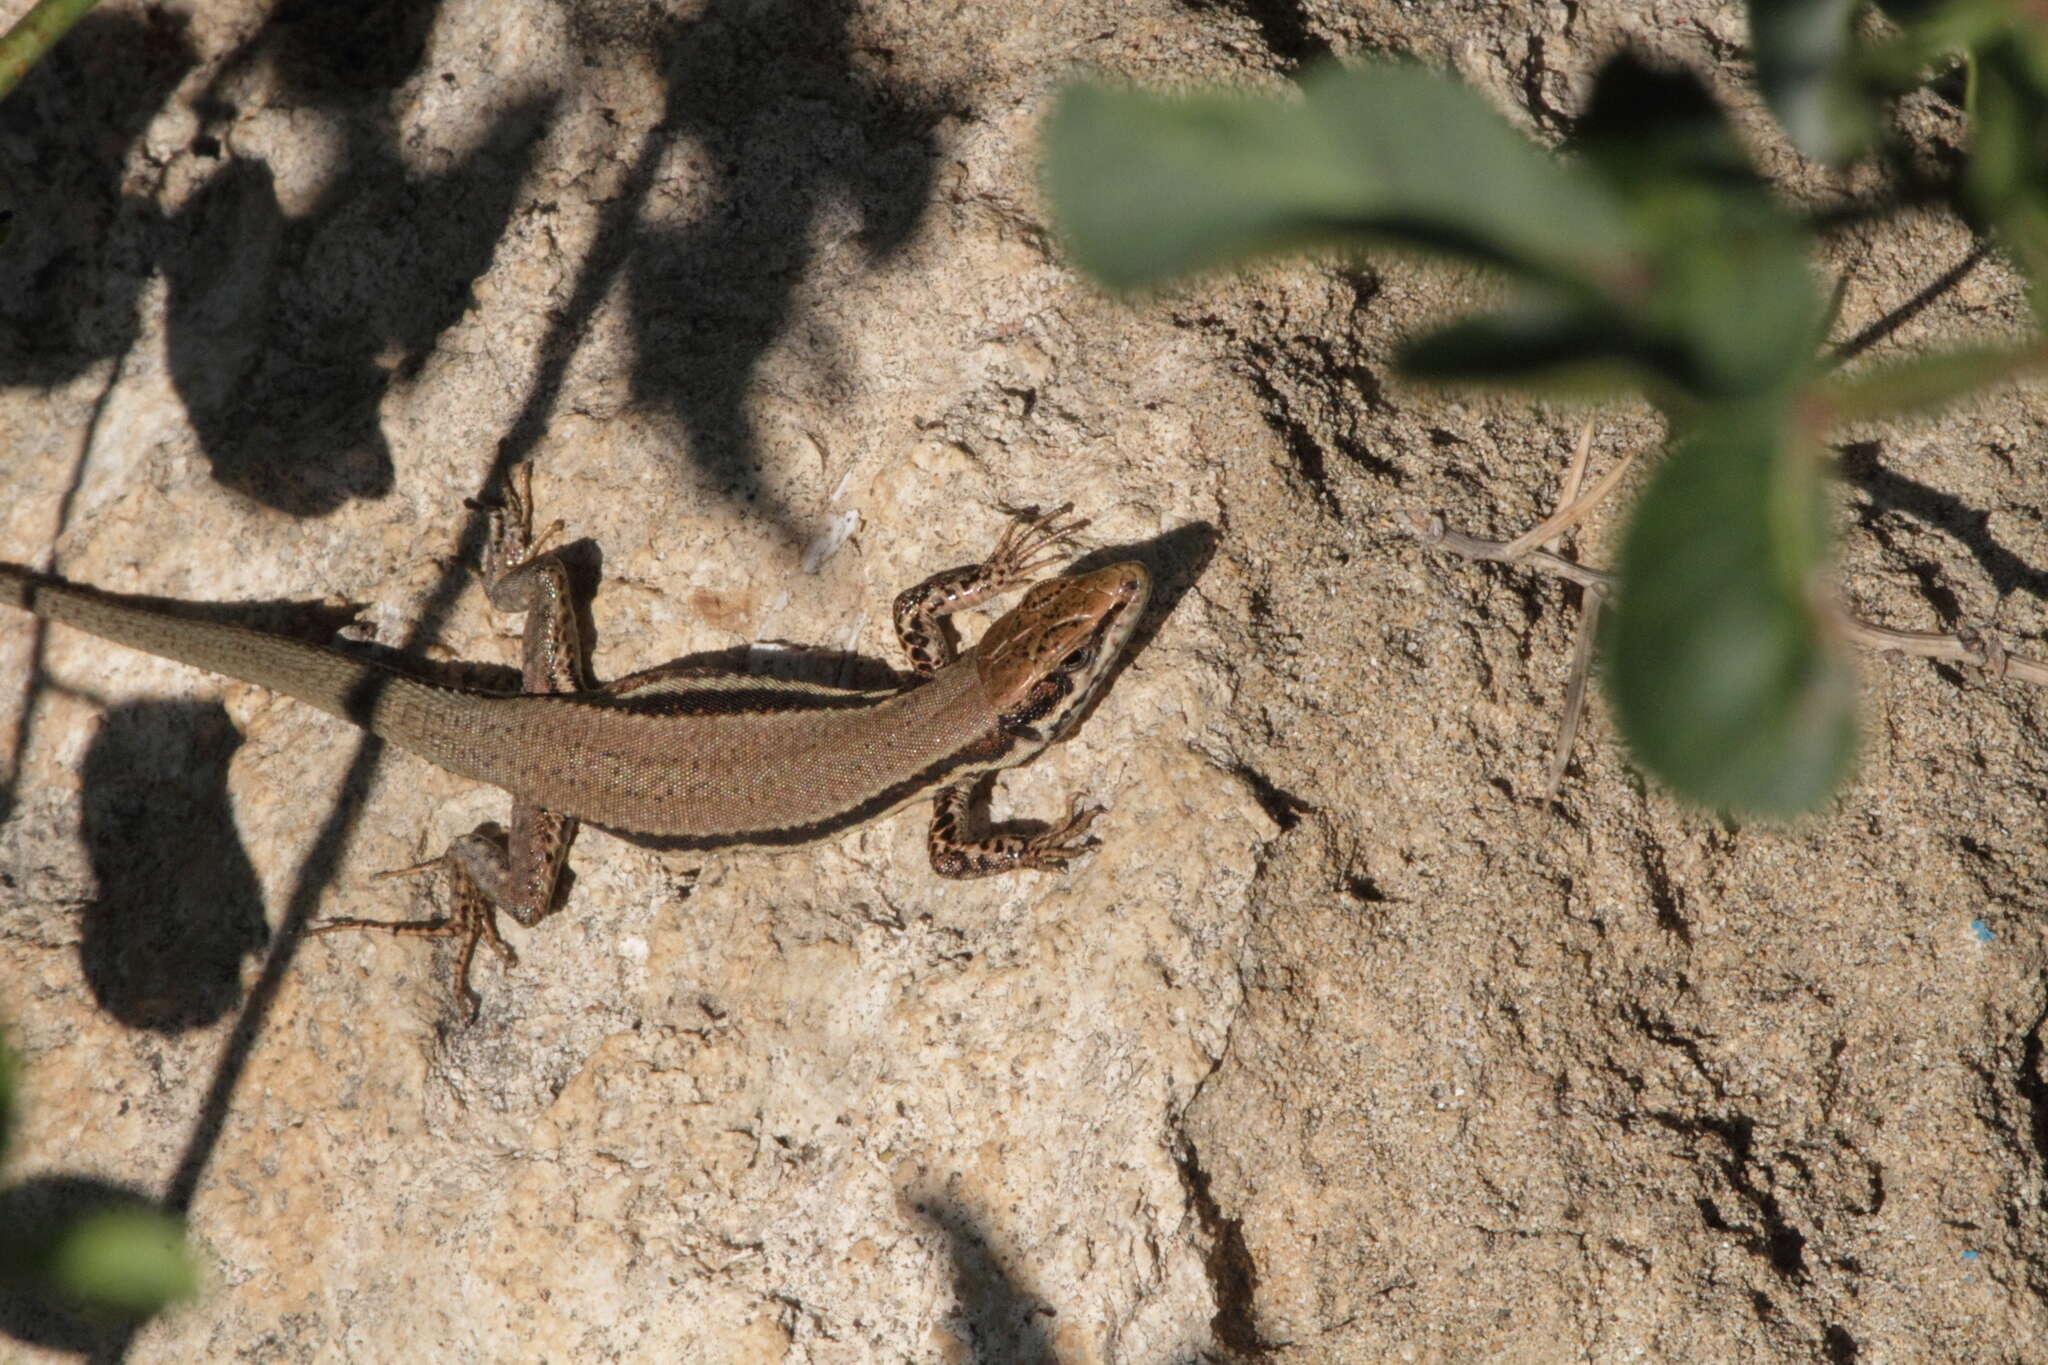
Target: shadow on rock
[
  {"x": 285, "y": 331},
  {"x": 772, "y": 97},
  {"x": 179, "y": 906},
  {"x": 1003, "y": 1322},
  {"x": 78, "y": 250},
  {"x": 33, "y": 1215}
]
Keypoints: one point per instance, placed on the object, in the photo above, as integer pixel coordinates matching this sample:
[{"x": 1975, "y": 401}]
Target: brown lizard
[{"x": 690, "y": 757}]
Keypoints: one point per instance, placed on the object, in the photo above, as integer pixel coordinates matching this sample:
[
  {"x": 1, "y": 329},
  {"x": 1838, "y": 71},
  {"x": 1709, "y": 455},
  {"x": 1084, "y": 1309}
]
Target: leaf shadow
[
  {"x": 34, "y": 1212},
  {"x": 178, "y": 907},
  {"x": 286, "y": 328},
  {"x": 769, "y": 96},
  {"x": 77, "y": 243}
]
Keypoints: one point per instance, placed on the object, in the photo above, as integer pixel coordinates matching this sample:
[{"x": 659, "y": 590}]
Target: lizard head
[{"x": 1043, "y": 662}]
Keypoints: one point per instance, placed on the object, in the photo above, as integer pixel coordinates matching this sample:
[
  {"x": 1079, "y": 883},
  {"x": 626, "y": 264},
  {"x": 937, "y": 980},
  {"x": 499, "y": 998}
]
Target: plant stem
[
  {"x": 36, "y": 33},
  {"x": 1971, "y": 648}
]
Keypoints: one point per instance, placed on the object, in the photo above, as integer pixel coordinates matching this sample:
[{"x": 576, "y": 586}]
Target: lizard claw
[
  {"x": 1064, "y": 842},
  {"x": 1028, "y": 545}
]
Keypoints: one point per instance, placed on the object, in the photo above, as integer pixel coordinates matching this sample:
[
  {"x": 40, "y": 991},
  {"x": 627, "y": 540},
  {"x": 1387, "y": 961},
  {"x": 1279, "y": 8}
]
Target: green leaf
[
  {"x": 1927, "y": 42},
  {"x": 33, "y": 35},
  {"x": 1727, "y": 306},
  {"x": 2006, "y": 180},
  {"x": 1927, "y": 381},
  {"x": 1805, "y": 66},
  {"x": 1727, "y": 316},
  {"x": 132, "y": 1260},
  {"x": 1726, "y": 681},
  {"x": 1557, "y": 345},
  {"x": 1742, "y": 305},
  {"x": 1664, "y": 256},
  {"x": 1146, "y": 187}
]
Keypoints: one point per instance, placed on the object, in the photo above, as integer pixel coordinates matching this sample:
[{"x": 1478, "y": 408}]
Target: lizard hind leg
[
  {"x": 487, "y": 870},
  {"x": 471, "y": 918},
  {"x": 486, "y": 873}
]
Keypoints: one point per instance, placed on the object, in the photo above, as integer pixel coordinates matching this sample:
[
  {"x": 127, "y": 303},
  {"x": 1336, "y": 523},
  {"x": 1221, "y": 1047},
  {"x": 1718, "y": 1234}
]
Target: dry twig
[
  {"x": 1570, "y": 509},
  {"x": 1971, "y": 648}
]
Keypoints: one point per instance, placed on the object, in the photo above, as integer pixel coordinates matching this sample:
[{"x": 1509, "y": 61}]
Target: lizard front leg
[
  {"x": 955, "y": 850},
  {"x": 1024, "y": 549},
  {"x": 488, "y": 870}
]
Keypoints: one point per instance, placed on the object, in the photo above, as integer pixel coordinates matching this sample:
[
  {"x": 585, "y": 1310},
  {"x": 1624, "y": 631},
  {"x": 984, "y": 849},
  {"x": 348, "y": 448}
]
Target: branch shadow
[
  {"x": 1898, "y": 317},
  {"x": 1860, "y": 468},
  {"x": 287, "y": 330}
]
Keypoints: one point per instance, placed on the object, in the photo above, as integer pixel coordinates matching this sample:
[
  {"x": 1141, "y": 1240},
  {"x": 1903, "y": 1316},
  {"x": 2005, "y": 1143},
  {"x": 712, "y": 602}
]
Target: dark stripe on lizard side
[
  {"x": 727, "y": 701},
  {"x": 979, "y": 757}
]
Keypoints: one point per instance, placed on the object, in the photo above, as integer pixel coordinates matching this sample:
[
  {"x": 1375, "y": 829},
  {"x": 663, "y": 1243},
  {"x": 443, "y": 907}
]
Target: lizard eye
[{"x": 1079, "y": 659}]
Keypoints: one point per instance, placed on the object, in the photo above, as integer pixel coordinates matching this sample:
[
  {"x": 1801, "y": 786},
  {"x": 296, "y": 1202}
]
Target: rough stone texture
[{"x": 1347, "y": 1045}]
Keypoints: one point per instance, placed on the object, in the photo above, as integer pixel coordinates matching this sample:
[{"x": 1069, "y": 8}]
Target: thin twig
[
  {"x": 1589, "y": 615},
  {"x": 34, "y": 35},
  {"x": 1432, "y": 530},
  {"x": 1574, "y": 478},
  {"x": 1971, "y": 648},
  {"x": 1575, "y": 691},
  {"x": 1569, "y": 515}
]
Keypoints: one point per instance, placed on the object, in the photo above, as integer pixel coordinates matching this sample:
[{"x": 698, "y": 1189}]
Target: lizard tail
[{"x": 379, "y": 699}]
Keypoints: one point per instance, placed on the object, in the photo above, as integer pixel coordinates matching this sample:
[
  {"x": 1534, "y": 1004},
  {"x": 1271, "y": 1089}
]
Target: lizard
[{"x": 686, "y": 756}]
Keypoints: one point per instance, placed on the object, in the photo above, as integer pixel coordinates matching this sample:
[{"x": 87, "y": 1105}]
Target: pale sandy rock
[{"x": 1346, "y": 1045}]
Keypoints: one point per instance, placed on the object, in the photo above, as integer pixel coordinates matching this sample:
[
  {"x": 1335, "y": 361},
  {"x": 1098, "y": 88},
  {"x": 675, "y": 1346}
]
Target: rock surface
[{"x": 1346, "y": 1045}]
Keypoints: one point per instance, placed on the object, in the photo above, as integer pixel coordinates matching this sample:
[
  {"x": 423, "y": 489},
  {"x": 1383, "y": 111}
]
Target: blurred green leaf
[
  {"x": 1145, "y": 187},
  {"x": 2006, "y": 179},
  {"x": 1926, "y": 381},
  {"x": 2004, "y": 116},
  {"x": 132, "y": 1260},
  {"x": 1728, "y": 306},
  {"x": 1927, "y": 42},
  {"x": 1743, "y": 304},
  {"x": 1664, "y": 257},
  {"x": 33, "y": 35},
  {"x": 1805, "y": 65},
  {"x": 1727, "y": 684},
  {"x": 1556, "y": 345}
]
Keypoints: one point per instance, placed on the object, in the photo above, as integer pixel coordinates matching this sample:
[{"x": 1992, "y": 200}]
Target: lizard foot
[{"x": 471, "y": 919}]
